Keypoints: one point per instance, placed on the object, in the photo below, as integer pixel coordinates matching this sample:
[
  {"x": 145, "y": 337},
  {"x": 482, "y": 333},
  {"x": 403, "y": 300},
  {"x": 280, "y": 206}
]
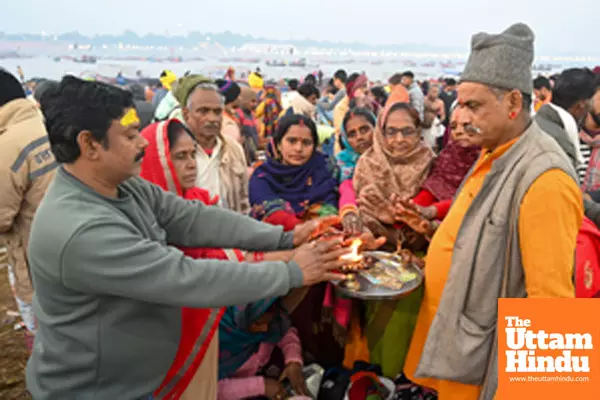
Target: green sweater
[{"x": 109, "y": 289}]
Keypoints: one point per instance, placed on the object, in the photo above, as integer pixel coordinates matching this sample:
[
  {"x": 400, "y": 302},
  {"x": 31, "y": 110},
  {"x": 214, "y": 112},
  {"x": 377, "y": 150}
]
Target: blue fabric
[
  {"x": 275, "y": 186},
  {"x": 237, "y": 344},
  {"x": 347, "y": 158}
]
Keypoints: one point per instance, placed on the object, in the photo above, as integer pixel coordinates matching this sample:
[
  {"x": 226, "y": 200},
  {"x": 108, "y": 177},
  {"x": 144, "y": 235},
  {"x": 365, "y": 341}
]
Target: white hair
[{"x": 206, "y": 86}]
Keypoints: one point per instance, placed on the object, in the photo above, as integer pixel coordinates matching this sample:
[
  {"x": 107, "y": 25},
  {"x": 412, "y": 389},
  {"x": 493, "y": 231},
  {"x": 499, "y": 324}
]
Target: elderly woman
[
  {"x": 171, "y": 164},
  {"x": 449, "y": 170},
  {"x": 395, "y": 166}
]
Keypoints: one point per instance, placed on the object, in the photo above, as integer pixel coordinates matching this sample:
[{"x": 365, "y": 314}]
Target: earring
[{"x": 512, "y": 115}]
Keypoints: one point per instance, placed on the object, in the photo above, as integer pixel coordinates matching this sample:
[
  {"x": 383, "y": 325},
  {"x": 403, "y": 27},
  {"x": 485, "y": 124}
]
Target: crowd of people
[{"x": 161, "y": 242}]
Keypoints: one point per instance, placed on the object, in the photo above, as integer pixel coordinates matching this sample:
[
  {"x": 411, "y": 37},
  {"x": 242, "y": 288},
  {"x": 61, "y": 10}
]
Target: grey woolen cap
[{"x": 502, "y": 60}]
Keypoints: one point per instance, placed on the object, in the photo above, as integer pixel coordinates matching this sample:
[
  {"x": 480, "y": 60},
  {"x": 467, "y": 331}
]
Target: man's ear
[{"x": 88, "y": 145}]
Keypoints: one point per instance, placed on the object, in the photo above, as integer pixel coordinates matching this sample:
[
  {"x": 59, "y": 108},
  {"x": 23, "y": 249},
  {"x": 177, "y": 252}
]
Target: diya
[{"x": 353, "y": 262}]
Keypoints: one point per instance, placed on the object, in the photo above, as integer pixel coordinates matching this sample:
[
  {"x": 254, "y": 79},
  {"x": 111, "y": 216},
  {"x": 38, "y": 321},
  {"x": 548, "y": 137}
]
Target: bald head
[{"x": 248, "y": 100}]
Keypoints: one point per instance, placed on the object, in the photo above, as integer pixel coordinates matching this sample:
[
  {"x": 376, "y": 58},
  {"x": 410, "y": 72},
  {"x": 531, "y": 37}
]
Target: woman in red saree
[{"x": 170, "y": 163}]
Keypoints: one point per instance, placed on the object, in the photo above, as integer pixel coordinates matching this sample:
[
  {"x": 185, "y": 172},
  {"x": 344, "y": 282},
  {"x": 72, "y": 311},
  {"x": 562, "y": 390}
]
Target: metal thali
[{"x": 408, "y": 277}]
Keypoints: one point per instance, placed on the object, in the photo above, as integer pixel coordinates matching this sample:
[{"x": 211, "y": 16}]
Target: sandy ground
[{"x": 13, "y": 351}]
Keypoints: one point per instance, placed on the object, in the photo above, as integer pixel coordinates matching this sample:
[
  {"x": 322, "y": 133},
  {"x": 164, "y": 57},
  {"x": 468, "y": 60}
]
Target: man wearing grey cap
[{"x": 511, "y": 231}]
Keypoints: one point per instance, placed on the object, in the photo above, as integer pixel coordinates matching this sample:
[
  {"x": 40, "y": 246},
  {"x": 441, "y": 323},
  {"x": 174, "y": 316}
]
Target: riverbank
[{"x": 13, "y": 352}]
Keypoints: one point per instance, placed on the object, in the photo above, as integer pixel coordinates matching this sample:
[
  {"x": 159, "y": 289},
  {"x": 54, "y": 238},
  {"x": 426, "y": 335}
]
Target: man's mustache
[
  {"x": 140, "y": 155},
  {"x": 212, "y": 126}
]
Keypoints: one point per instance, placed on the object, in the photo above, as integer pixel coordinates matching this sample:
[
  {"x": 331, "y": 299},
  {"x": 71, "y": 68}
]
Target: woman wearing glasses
[{"x": 394, "y": 167}]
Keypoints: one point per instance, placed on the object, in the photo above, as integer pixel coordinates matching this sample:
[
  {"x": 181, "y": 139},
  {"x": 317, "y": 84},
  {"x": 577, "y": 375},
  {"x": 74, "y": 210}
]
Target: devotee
[
  {"x": 222, "y": 166},
  {"x": 97, "y": 201},
  {"x": 448, "y": 96},
  {"x": 396, "y": 165},
  {"x": 398, "y": 93},
  {"x": 448, "y": 171},
  {"x": 268, "y": 112},
  {"x": 296, "y": 183},
  {"x": 167, "y": 79},
  {"x": 248, "y": 335},
  {"x": 564, "y": 116},
  {"x": 42, "y": 88},
  {"x": 256, "y": 81},
  {"x": 433, "y": 101},
  {"x": 230, "y": 127},
  {"x": 542, "y": 90},
  {"x": 175, "y": 171},
  {"x": 415, "y": 93},
  {"x": 339, "y": 112},
  {"x": 305, "y": 102},
  {"x": 590, "y": 143},
  {"x": 432, "y": 128},
  {"x": 339, "y": 82},
  {"x": 144, "y": 108},
  {"x": 291, "y": 93},
  {"x": 249, "y": 131},
  {"x": 379, "y": 95},
  {"x": 502, "y": 212},
  {"x": 27, "y": 167},
  {"x": 357, "y": 137}
]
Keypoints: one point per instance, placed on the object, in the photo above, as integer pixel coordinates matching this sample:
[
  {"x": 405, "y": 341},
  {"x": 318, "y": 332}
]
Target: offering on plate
[
  {"x": 353, "y": 261},
  {"x": 351, "y": 282},
  {"x": 390, "y": 272},
  {"x": 380, "y": 276}
]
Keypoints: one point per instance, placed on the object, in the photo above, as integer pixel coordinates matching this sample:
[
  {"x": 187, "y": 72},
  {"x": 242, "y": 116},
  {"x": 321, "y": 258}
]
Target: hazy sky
[{"x": 559, "y": 25}]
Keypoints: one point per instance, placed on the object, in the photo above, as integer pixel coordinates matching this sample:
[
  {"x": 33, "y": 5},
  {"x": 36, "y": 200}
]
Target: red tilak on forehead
[{"x": 301, "y": 123}]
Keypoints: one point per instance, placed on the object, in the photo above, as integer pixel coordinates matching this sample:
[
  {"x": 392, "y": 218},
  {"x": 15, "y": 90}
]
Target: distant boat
[
  {"x": 275, "y": 63},
  {"x": 9, "y": 54},
  {"x": 86, "y": 60},
  {"x": 299, "y": 63}
]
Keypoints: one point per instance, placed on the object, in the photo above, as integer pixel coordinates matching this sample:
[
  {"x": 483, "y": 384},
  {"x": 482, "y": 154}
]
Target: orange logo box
[{"x": 548, "y": 349}]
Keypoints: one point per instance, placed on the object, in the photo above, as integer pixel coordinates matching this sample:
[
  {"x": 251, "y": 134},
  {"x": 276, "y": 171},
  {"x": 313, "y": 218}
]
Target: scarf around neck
[{"x": 449, "y": 170}]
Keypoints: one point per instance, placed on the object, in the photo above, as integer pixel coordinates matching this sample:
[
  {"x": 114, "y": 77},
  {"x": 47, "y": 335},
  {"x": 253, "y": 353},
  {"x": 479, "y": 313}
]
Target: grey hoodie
[{"x": 109, "y": 289}]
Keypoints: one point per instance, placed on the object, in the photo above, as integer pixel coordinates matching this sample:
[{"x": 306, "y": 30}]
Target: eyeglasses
[{"x": 405, "y": 132}]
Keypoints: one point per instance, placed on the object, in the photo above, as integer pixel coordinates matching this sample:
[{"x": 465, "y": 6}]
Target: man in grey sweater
[{"x": 108, "y": 286}]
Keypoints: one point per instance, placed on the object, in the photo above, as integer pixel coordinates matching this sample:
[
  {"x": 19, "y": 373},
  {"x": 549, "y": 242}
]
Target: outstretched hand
[
  {"x": 311, "y": 230},
  {"x": 375, "y": 206},
  {"x": 413, "y": 215},
  {"x": 317, "y": 260}
]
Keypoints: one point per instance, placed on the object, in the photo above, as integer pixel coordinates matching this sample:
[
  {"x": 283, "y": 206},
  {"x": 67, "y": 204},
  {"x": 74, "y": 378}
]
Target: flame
[{"x": 353, "y": 256}]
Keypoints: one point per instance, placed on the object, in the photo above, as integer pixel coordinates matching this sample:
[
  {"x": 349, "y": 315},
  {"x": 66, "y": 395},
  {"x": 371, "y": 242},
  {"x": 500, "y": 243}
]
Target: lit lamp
[{"x": 353, "y": 262}]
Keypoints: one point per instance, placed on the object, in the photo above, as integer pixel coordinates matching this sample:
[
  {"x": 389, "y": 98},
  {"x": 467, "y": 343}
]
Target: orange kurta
[{"x": 550, "y": 217}]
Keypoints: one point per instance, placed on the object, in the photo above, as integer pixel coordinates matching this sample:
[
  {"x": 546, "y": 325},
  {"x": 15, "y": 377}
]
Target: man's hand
[
  {"x": 317, "y": 259},
  {"x": 311, "y": 230},
  {"x": 293, "y": 372},
  {"x": 274, "y": 390}
]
